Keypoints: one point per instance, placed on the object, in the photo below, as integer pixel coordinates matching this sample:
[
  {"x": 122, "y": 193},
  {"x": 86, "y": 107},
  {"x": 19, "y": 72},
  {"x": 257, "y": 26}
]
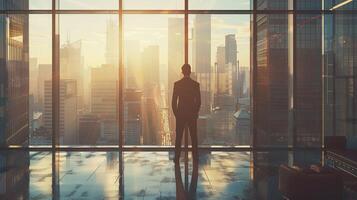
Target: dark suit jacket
[{"x": 186, "y": 98}]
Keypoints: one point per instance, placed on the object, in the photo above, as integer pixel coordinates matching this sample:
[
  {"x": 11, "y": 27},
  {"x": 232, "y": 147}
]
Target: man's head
[{"x": 186, "y": 70}]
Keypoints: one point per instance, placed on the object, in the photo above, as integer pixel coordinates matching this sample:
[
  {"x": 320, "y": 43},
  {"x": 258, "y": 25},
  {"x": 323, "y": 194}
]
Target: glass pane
[
  {"x": 40, "y": 65},
  {"x": 219, "y": 4},
  {"x": 341, "y": 36},
  {"x": 308, "y": 86},
  {"x": 89, "y": 79},
  {"x": 154, "y": 4},
  {"x": 88, "y": 4},
  {"x": 220, "y": 58},
  {"x": 14, "y": 80},
  {"x": 271, "y": 91},
  {"x": 274, "y": 4},
  {"x": 14, "y": 4},
  {"x": 154, "y": 53},
  {"x": 40, "y": 4},
  {"x": 88, "y": 175},
  {"x": 309, "y": 4}
]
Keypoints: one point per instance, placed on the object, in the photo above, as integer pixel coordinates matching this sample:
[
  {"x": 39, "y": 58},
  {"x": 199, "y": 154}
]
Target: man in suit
[{"x": 186, "y": 102}]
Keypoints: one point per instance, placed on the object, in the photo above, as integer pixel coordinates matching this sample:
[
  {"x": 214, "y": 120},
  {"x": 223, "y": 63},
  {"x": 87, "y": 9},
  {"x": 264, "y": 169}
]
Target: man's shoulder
[
  {"x": 185, "y": 81},
  {"x": 195, "y": 82}
]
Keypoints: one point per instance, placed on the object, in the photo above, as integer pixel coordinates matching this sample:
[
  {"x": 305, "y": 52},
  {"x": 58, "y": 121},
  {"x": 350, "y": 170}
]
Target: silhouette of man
[{"x": 186, "y": 103}]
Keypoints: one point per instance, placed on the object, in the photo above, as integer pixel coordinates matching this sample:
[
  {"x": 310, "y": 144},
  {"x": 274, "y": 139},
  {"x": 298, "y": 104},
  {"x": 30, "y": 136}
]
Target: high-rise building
[
  {"x": 242, "y": 131},
  {"x": 287, "y": 97},
  {"x": 202, "y": 59},
  {"x": 33, "y": 77},
  {"x": 340, "y": 72},
  {"x": 308, "y": 79},
  {"x": 133, "y": 117},
  {"x": 44, "y": 74},
  {"x": 68, "y": 121},
  {"x": 151, "y": 122},
  {"x": 104, "y": 91},
  {"x": 232, "y": 64},
  {"x": 271, "y": 81},
  {"x": 14, "y": 75},
  {"x": 112, "y": 44},
  {"x": 71, "y": 65},
  {"x": 89, "y": 129}
]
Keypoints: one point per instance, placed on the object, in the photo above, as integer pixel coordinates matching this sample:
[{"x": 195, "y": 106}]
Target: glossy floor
[{"x": 143, "y": 175}]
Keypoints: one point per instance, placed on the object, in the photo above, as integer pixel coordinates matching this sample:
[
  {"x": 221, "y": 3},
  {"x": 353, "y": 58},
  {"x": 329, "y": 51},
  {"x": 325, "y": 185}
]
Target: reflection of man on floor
[
  {"x": 181, "y": 193},
  {"x": 186, "y": 102}
]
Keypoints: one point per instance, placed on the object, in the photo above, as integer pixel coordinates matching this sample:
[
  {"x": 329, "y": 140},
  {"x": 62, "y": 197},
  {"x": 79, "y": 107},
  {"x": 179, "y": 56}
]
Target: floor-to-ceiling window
[{"x": 273, "y": 73}]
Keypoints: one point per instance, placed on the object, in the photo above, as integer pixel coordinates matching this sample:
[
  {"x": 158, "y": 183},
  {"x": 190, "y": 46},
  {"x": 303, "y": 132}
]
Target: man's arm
[
  {"x": 174, "y": 100},
  {"x": 198, "y": 99}
]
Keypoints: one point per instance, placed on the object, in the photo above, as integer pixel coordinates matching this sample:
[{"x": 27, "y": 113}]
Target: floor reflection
[{"x": 145, "y": 175}]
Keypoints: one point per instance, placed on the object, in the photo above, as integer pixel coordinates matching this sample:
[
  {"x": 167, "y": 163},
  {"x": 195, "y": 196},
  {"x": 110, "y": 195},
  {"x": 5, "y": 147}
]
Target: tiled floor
[{"x": 143, "y": 175}]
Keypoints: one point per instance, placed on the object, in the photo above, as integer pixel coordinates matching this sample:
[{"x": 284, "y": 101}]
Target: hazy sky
[
  {"x": 142, "y": 4},
  {"x": 147, "y": 29}
]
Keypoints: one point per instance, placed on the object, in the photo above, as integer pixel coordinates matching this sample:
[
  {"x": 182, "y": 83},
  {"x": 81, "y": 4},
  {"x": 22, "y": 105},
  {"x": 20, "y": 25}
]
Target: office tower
[
  {"x": 340, "y": 72},
  {"x": 151, "y": 120},
  {"x": 104, "y": 91},
  {"x": 151, "y": 70},
  {"x": 202, "y": 59},
  {"x": 44, "y": 74},
  {"x": 89, "y": 129},
  {"x": 112, "y": 43},
  {"x": 33, "y": 77},
  {"x": 232, "y": 62},
  {"x": 242, "y": 131},
  {"x": 221, "y": 73},
  {"x": 109, "y": 131},
  {"x": 176, "y": 59},
  {"x": 14, "y": 75},
  {"x": 68, "y": 131},
  {"x": 71, "y": 66},
  {"x": 132, "y": 117},
  {"x": 133, "y": 70},
  {"x": 271, "y": 80},
  {"x": 308, "y": 79},
  {"x": 231, "y": 49},
  {"x": 244, "y": 80}
]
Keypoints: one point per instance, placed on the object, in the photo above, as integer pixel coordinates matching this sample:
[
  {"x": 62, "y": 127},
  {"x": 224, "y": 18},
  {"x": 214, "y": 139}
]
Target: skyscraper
[
  {"x": 308, "y": 79},
  {"x": 71, "y": 66},
  {"x": 104, "y": 91},
  {"x": 232, "y": 63},
  {"x": 44, "y": 74},
  {"x": 14, "y": 75},
  {"x": 68, "y": 131},
  {"x": 133, "y": 117},
  {"x": 202, "y": 59},
  {"x": 112, "y": 43},
  {"x": 271, "y": 80}
]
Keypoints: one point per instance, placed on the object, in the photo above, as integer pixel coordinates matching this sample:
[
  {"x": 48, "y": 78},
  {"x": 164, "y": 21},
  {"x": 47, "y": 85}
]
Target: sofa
[{"x": 306, "y": 184}]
